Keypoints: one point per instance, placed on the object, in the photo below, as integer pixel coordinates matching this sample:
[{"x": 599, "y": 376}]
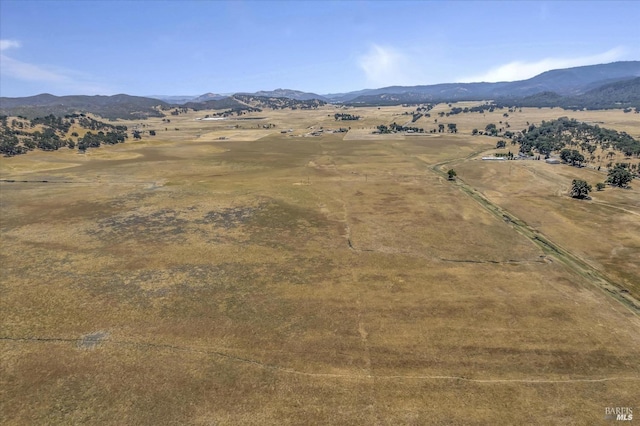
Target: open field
[{"x": 284, "y": 278}]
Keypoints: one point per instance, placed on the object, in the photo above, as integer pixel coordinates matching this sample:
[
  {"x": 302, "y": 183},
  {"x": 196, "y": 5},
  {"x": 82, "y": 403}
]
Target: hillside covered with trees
[
  {"x": 279, "y": 102},
  {"x": 19, "y": 135},
  {"x": 557, "y": 134},
  {"x": 108, "y": 107},
  {"x": 621, "y": 94},
  {"x": 240, "y": 103},
  {"x": 577, "y": 144},
  {"x": 617, "y": 95}
]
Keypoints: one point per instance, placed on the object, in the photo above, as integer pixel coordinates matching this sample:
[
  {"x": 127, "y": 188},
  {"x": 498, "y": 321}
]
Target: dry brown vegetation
[{"x": 283, "y": 278}]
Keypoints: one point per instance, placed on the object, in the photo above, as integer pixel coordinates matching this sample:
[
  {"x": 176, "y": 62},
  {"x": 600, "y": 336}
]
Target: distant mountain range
[
  {"x": 287, "y": 93},
  {"x": 278, "y": 93},
  {"x": 613, "y": 85},
  {"x": 564, "y": 82},
  {"x": 620, "y": 94}
]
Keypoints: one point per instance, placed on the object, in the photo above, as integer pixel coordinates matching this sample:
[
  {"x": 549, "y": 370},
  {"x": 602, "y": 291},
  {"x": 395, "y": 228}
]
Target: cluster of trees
[
  {"x": 47, "y": 140},
  {"x": 458, "y": 110},
  {"x": 424, "y": 108},
  {"x": 395, "y": 127},
  {"x": 279, "y": 102},
  {"x": 420, "y": 111},
  {"x": 572, "y": 156},
  {"x": 509, "y": 155},
  {"x": 451, "y": 128},
  {"x": 238, "y": 111},
  {"x": 488, "y": 106},
  {"x": 618, "y": 176},
  {"x": 18, "y": 137},
  {"x": 556, "y": 134},
  {"x": 418, "y": 115},
  {"x": 53, "y": 122},
  {"x": 90, "y": 140},
  {"x": 580, "y": 189},
  {"x": 491, "y": 129},
  {"x": 383, "y": 129},
  {"x": 50, "y": 133},
  {"x": 9, "y": 142},
  {"x": 346, "y": 117},
  {"x": 10, "y": 145},
  {"x": 96, "y": 125}
]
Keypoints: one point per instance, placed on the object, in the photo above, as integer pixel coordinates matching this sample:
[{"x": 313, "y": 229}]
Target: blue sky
[{"x": 190, "y": 48}]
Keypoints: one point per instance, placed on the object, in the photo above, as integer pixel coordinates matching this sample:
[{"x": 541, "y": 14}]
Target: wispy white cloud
[
  {"x": 23, "y": 71},
  {"x": 56, "y": 79},
  {"x": 8, "y": 44},
  {"x": 521, "y": 70},
  {"x": 385, "y": 65}
]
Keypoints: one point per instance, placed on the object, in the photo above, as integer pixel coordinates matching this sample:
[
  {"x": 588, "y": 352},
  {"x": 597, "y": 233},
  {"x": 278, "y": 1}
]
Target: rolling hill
[
  {"x": 613, "y": 85},
  {"x": 109, "y": 107},
  {"x": 287, "y": 93},
  {"x": 620, "y": 94}
]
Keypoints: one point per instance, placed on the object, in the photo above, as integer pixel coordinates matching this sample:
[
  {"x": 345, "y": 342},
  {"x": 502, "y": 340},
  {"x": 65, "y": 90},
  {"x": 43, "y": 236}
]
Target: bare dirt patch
[{"x": 92, "y": 340}]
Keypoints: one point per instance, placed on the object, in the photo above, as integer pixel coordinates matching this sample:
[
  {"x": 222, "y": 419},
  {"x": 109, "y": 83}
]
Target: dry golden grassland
[{"x": 283, "y": 278}]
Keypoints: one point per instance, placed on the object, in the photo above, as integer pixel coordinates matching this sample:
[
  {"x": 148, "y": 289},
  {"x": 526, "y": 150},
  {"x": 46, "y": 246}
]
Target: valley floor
[{"x": 282, "y": 278}]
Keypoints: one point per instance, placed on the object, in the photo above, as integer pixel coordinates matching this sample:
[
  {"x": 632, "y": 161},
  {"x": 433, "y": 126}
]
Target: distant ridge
[
  {"x": 565, "y": 82},
  {"x": 208, "y": 97},
  {"x": 577, "y": 80},
  {"x": 174, "y": 100},
  {"x": 287, "y": 93},
  {"x": 110, "y": 107},
  {"x": 278, "y": 93},
  {"x": 224, "y": 103},
  {"x": 252, "y": 102},
  {"x": 179, "y": 100},
  {"x": 624, "y": 93},
  {"x": 620, "y": 94},
  {"x": 612, "y": 85}
]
